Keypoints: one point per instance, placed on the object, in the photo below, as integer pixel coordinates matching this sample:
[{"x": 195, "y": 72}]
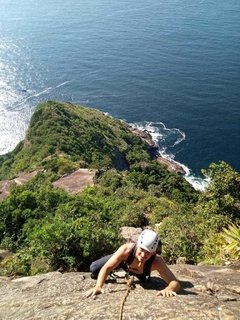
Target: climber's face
[{"x": 142, "y": 254}]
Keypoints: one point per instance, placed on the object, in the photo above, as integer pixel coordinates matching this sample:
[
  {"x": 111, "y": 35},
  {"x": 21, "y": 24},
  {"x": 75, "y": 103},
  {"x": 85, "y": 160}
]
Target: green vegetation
[
  {"x": 231, "y": 241},
  {"x": 48, "y": 229},
  {"x": 81, "y": 136}
]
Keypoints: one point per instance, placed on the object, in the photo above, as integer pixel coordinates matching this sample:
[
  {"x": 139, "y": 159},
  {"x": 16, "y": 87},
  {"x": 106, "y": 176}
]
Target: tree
[{"x": 222, "y": 196}]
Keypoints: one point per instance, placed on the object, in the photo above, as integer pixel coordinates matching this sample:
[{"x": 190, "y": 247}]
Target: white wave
[
  {"x": 199, "y": 184},
  {"x": 182, "y": 137},
  {"x": 170, "y": 137}
]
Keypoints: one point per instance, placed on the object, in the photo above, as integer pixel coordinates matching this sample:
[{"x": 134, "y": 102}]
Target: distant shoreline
[{"x": 153, "y": 148}]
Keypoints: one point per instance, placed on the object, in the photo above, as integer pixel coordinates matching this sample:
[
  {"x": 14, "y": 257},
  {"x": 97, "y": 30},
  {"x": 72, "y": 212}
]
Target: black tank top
[{"x": 146, "y": 268}]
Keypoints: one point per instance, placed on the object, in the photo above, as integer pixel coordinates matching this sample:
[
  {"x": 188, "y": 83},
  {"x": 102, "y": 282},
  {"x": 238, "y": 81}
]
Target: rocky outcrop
[
  {"x": 76, "y": 181},
  {"x": 208, "y": 293},
  {"x": 145, "y": 136},
  {"x": 73, "y": 183},
  {"x": 171, "y": 165},
  {"x": 24, "y": 177},
  {"x": 4, "y": 254},
  {"x": 130, "y": 234},
  {"x": 5, "y": 185}
]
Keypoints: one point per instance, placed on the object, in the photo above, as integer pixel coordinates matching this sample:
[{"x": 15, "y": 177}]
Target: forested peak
[{"x": 85, "y": 136}]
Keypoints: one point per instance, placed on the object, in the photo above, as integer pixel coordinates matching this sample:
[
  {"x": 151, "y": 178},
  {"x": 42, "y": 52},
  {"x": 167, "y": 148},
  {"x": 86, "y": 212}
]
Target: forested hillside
[
  {"x": 47, "y": 228},
  {"x": 82, "y": 135}
]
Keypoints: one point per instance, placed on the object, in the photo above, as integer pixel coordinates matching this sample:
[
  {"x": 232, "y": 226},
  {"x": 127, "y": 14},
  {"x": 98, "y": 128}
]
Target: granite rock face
[
  {"x": 73, "y": 183},
  {"x": 76, "y": 181},
  {"x": 208, "y": 292}
]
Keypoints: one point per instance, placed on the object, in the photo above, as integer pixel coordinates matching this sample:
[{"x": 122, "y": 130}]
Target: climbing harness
[{"x": 130, "y": 286}]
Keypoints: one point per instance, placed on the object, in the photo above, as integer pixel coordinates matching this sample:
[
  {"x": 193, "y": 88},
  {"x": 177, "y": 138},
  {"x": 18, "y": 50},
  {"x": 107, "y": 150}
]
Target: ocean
[{"x": 171, "y": 67}]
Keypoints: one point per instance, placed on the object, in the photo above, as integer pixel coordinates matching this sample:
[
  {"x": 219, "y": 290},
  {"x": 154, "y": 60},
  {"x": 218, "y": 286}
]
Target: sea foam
[{"x": 167, "y": 139}]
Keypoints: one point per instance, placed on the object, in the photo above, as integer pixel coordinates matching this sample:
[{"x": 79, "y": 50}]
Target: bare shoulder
[{"x": 125, "y": 249}]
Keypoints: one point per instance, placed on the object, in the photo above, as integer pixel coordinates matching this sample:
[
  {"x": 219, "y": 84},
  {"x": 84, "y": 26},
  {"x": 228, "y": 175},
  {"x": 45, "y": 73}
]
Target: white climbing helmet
[{"x": 148, "y": 240}]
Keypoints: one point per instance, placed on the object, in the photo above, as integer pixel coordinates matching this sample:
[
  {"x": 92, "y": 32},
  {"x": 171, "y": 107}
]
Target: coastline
[{"x": 154, "y": 150}]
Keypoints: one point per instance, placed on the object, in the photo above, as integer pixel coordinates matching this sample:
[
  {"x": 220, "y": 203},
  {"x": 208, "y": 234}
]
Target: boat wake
[{"x": 38, "y": 94}]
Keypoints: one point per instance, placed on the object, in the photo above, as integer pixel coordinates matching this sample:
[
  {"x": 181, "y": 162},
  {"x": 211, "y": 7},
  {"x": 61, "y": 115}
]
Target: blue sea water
[{"x": 172, "y": 67}]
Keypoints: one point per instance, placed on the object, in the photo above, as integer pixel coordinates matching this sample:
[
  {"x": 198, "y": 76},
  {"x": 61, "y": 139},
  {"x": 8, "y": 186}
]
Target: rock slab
[{"x": 207, "y": 293}]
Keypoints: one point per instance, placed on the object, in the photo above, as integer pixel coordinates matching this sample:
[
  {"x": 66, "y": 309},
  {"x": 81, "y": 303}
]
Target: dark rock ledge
[{"x": 154, "y": 151}]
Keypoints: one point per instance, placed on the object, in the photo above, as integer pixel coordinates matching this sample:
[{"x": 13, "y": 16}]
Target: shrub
[
  {"x": 164, "y": 208},
  {"x": 222, "y": 195},
  {"x": 211, "y": 252},
  {"x": 69, "y": 244},
  {"x": 191, "y": 235},
  {"x": 18, "y": 264},
  {"x": 179, "y": 238},
  {"x": 231, "y": 241}
]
